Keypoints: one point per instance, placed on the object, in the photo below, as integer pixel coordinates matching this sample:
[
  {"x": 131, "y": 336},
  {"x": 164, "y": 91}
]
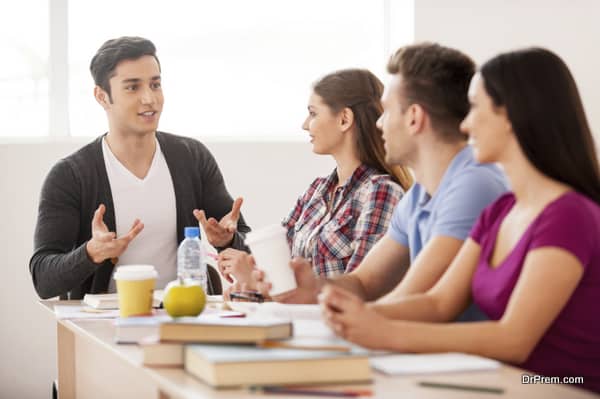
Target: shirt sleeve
[
  {"x": 462, "y": 203},
  {"x": 398, "y": 229},
  {"x": 570, "y": 225},
  {"x": 373, "y": 220},
  {"x": 479, "y": 227},
  {"x": 57, "y": 264},
  {"x": 289, "y": 222}
]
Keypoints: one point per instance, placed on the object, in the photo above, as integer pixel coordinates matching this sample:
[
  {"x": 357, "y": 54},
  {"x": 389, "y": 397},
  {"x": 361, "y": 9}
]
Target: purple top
[{"x": 571, "y": 345}]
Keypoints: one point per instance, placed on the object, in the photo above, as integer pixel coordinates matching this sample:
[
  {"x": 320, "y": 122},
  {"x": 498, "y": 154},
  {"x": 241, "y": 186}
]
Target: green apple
[{"x": 184, "y": 298}]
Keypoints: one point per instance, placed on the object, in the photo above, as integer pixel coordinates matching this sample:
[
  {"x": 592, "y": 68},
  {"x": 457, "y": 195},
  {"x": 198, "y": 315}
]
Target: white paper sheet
[{"x": 403, "y": 364}]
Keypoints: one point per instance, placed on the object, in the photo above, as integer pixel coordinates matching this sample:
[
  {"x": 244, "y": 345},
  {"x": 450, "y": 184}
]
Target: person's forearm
[
  {"x": 420, "y": 307},
  {"x": 491, "y": 339},
  {"x": 351, "y": 283},
  {"x": 427, "y": 269},
  {"x": 56, "y": 274}
]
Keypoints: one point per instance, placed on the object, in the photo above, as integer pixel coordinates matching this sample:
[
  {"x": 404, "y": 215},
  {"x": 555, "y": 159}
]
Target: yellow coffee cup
[{"x": 135, "y": 287}]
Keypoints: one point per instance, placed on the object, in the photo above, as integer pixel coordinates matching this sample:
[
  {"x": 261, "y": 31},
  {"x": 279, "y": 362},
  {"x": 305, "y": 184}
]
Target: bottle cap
[{"x": 191, "y": 232}]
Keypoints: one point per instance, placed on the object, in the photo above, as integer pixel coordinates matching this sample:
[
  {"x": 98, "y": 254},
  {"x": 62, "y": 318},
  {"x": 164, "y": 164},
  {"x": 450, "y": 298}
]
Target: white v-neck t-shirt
[{"x": 152, "y": 200}]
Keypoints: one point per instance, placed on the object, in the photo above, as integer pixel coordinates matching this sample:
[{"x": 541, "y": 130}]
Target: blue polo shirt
[{"x": 466, "y": 189}]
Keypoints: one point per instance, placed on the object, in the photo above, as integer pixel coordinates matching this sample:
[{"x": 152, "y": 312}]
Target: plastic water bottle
[{"x": 190, "y": 258}]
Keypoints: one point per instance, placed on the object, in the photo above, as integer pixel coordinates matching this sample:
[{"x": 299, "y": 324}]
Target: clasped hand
[{"x": 352, "y": 319}]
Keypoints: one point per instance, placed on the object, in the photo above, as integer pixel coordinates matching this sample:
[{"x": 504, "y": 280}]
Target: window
[
  {"x": 24, "y": 68},
  {"x": 230, "y": 69}
]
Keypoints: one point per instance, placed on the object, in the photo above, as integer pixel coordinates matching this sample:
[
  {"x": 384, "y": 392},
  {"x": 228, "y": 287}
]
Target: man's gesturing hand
[
  {"x": 104, "y": 244},
  {"x": 220, "y": 234}
]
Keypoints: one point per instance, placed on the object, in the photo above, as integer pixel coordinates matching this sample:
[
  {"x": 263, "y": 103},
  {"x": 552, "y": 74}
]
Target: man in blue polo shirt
[
  {"x": 449, "y": 211},
  {"x": 424, "y": 105}
]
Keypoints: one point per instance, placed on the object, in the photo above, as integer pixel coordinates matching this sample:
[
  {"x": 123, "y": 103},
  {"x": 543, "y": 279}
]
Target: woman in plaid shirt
[{"x": 341, "y": 216}]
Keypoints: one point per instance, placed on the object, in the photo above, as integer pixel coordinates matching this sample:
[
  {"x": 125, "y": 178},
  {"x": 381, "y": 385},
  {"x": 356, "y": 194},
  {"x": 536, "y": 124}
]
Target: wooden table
[{"x": 91, "y": 365}]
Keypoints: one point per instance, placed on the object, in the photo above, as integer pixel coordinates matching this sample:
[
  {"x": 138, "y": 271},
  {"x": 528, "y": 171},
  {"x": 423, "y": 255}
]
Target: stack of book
[
  {"x": 162, "y": 338},
  {"x": 224, "y": 350}
]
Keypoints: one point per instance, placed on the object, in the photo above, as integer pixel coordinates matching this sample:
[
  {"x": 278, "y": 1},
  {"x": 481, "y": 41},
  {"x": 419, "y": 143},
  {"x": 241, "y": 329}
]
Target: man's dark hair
[
  {"x": 114, "y": 51},
  {"x": 437, "y": 78}
]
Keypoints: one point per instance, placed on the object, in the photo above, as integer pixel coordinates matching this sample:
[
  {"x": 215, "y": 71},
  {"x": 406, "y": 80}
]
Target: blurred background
[{"x": 236, "y": 75}]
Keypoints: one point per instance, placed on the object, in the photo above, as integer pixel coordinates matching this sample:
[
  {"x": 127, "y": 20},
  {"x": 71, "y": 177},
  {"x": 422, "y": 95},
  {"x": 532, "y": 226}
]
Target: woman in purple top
[{"x": 532, "y": 262}]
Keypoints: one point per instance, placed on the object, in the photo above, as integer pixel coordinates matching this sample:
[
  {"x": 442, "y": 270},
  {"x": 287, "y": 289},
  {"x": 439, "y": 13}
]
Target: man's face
[
  {"x": 137, "y": 97},
  {"x": 393, "y": 123}
]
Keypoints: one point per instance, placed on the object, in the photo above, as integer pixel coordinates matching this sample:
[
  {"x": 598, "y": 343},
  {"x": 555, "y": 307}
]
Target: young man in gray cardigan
[{"x": 127, "y": 196}]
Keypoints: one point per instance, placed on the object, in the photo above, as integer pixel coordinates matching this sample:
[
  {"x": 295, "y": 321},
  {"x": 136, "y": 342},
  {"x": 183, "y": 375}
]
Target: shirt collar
[
  {"x": 361, "y": 173},
  {"x": 461, "y": 160}
]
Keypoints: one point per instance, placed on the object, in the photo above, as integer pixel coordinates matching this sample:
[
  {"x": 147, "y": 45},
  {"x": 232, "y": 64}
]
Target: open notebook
[{"x": 403, "y": 364}]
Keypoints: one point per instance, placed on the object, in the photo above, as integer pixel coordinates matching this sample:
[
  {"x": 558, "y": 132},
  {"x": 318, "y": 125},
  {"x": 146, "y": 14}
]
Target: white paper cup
[{"x": 271, "y": 252}]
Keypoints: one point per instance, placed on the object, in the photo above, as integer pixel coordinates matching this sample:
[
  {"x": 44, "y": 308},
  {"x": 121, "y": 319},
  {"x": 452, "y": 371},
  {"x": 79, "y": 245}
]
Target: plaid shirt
[{"x": 337, "y": 241}]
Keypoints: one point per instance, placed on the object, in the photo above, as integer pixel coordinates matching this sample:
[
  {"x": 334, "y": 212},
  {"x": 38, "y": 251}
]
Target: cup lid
[{"x": 135, "y": 272}]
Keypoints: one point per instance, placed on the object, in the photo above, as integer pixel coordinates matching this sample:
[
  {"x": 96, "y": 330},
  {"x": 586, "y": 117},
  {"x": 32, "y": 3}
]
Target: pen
[
  {"x": 247, "y": 296},
  {"x": 346, "y": 393},
  {"x": 474, "y": 388},
  {"x": 254, "y": 294},
  {"x": 233, "y": 315}
]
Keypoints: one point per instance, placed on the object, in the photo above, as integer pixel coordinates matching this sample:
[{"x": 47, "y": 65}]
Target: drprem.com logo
[{"x": 541, "y": 379}]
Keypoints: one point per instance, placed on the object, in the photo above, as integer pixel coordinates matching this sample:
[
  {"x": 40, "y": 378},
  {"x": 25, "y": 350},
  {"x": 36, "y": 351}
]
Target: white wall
[
  {"x": 484, "y": 28},
  {"x": 269, "y": 176}
]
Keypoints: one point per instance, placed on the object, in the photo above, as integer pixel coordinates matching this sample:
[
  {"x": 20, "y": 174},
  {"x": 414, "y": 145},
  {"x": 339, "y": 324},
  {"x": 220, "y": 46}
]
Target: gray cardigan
[{"x": 78, "y": 184}]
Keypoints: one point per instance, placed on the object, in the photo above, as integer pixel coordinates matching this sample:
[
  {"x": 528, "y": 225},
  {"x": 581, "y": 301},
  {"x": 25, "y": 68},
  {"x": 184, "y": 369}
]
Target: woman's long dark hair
[
  {"x": 360, "y": 90},
  {"x": 547, "y": 116}
]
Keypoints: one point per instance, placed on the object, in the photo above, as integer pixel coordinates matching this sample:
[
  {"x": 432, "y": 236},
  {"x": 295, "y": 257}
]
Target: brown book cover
[
  {"x": 224, "y": 330},
  {"x": 235, "y": 365},
  {"x": 161, "y": 354}
]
